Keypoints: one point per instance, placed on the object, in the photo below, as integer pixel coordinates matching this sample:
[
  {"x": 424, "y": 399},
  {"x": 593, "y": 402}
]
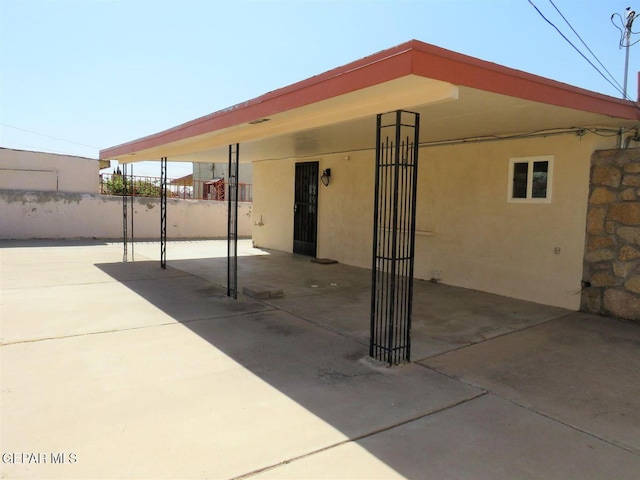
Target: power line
[
  {"x": 48, "y": 136},
  {"x": 583, "y": 43},
  {"x": 17, "y": 146},
  {"x": 577, "y": 49}
]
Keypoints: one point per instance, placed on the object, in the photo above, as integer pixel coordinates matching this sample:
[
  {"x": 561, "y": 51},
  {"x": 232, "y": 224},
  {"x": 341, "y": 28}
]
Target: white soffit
[{"x": 401, "y": 93}]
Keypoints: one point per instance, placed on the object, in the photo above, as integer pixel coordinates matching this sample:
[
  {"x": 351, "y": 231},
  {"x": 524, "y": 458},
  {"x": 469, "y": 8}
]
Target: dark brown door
[{"x": 305, "y": 216}]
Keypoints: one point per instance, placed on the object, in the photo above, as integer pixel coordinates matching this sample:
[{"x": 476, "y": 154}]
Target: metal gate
[
  {"x": 305, "y": 209},
  {"x": 394, "y": 226}
]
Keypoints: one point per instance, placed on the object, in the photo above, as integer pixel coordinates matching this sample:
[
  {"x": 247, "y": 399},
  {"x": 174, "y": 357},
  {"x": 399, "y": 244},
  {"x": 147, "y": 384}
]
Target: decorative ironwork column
[
  {"x": 232, "y": 222},
  {"x": 394, "y": 226},
  {"x": 163, "y": 212}
]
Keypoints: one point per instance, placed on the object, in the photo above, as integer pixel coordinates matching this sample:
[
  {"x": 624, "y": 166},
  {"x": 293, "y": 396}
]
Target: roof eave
[{"x": 410, "y": 58}]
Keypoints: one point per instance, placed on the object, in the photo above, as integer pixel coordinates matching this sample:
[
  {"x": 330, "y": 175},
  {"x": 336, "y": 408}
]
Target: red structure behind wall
[{"x": 214, "y": 190}]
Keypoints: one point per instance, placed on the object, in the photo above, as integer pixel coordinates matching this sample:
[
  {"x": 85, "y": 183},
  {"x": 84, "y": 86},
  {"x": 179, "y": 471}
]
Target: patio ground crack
[{"x": 359, "y": 437}]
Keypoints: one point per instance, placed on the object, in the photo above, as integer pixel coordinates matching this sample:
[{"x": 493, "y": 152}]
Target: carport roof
[{"x": 460, "y": 96}]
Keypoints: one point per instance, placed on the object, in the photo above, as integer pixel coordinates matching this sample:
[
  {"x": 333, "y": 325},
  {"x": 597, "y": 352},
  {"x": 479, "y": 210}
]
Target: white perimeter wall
[
  {"x": 466, "y": 228},
  {"x": 26, "y": 215},
  {"x": 24, "y": 170}
]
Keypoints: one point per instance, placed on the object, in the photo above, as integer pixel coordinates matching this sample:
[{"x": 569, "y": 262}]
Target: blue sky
[{"x": 97, "y": 73}]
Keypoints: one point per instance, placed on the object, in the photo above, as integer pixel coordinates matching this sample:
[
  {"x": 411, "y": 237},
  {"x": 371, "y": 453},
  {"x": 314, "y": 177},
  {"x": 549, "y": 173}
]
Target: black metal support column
[
  {"x": 132, "y": 190},
  {"x": 394, "y": 226},
  {"x": 125, "y": 222},
  {"x": 232, "y": 222},
  {"x": 163, "y": 212}
]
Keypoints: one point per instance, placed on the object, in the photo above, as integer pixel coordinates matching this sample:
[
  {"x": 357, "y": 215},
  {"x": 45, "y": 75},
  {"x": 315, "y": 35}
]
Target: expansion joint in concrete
[
  {"x": 359, "y": 437},
  {"x": 568, "y": 425},
  {"x": 102, "y": 332}
]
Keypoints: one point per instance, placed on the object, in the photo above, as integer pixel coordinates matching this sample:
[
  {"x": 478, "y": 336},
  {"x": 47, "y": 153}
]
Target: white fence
[{"x": 25, "y": 215}]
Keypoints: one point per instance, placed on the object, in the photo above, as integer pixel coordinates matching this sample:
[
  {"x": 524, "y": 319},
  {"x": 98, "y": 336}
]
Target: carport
[{"x": 436, "y": 98}]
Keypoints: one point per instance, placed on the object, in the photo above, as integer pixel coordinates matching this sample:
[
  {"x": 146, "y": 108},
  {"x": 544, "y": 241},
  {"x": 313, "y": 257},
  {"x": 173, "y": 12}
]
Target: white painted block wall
[{"x": 25, "y": 215}]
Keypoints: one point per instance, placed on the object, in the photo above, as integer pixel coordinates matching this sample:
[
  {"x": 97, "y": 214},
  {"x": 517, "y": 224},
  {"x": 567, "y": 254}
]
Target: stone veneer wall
[{"x": 611, "y": 275}]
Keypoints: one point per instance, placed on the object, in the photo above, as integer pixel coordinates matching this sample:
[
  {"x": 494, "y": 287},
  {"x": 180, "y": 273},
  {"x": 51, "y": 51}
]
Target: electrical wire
[
  {"x": 626, "y": 25},
  {"x": 19, "y": 146},
  {"x": 578, "y": 50},
  {"x": 583, "y": 43},
  {"x": 48, "y": 136},
  {"x": 579, "y": 131},
  {"x": 621, "y": 43},
  {"x": 551, "y": 132}
]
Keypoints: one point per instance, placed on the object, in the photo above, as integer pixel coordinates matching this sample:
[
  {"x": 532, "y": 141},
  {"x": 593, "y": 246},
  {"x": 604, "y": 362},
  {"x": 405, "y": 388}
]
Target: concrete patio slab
[
  {"x": 338, "y": 297},
  {"x": 125, "y": 370},
  {"x": 57, "y": 311},
  {"x": 51, "y": 264},
  {"x": 215, "y": 398},
  {"x": 581, "y": 369},
  {"x": 193, "y": 249},
  {"x": 485, "y": 438}
]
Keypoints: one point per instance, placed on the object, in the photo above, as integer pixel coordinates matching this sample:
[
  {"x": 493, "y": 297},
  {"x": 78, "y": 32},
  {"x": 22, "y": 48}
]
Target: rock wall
[{"x": 611, "y": 276}]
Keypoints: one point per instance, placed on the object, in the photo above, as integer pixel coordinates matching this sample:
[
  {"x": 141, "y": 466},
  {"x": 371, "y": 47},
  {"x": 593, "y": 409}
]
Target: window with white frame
[{"x": 530, "y": 179}]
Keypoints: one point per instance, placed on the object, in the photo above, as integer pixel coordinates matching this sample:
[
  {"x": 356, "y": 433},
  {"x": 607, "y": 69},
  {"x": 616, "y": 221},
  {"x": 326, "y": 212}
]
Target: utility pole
[{"x": 625, "y": 40}]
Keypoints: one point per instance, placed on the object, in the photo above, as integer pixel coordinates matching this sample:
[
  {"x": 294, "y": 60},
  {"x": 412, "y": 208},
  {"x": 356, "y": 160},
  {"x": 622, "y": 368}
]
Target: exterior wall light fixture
[{"x": 326, "y": 177}]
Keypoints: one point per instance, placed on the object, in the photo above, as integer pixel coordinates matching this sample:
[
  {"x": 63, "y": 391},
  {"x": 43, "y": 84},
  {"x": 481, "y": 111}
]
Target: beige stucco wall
[
  {"x": 26, "y": 215},
  {"x": 273, "y": 221},
  {"x": 466, "y": 228},
  {"x": 48, "y": 172}
]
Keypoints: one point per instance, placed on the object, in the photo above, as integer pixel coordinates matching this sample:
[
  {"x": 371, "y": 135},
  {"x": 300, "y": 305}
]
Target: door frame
[{"x": 305, "y": 208}]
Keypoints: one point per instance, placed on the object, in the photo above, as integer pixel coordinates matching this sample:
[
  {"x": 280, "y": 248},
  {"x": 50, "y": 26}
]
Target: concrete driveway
[{"x": 125, "y": 370}]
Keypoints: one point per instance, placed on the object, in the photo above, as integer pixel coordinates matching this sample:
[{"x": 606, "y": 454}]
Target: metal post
[
  {"x": 232, "y": 222},
  {"x": 625, "y": 41},
  {"x": 397, "y": 139},
  {"x": 628, "y": 30},
  {"x": 125, "y": 223},
  {"x": 163, "y": 212},
  {"x": 133, "y": 194}
]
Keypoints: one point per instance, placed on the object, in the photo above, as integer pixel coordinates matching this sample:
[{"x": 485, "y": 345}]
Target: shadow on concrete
[
  {"x": 581, "y": 369},
  {"x": 338, "y": 297},
  {"x": 312, "y": 344},
  {"x": 323, "y": 371}
]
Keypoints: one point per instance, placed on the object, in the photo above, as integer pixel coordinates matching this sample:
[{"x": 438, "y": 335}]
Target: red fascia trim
[
  {"x": 413, "y": 57},
  {"x": 369, "y": 71},
  {"x": 462, "y": 70}
]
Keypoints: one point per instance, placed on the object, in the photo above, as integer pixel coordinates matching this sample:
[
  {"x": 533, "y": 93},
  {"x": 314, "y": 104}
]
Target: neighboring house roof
[
  {"x": 186, "y": 181},
  {"x": 458, "y": 96}
]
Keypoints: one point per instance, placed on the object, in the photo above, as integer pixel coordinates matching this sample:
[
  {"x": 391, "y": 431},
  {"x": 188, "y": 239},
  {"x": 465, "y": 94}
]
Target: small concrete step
[
  {"x": 262, "y": 292},
  {"x": 324, "y": 261}
]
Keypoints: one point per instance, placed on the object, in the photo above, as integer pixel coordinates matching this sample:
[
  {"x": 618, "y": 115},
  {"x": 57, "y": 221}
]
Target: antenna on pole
[{"x": 626, "y": 23}]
